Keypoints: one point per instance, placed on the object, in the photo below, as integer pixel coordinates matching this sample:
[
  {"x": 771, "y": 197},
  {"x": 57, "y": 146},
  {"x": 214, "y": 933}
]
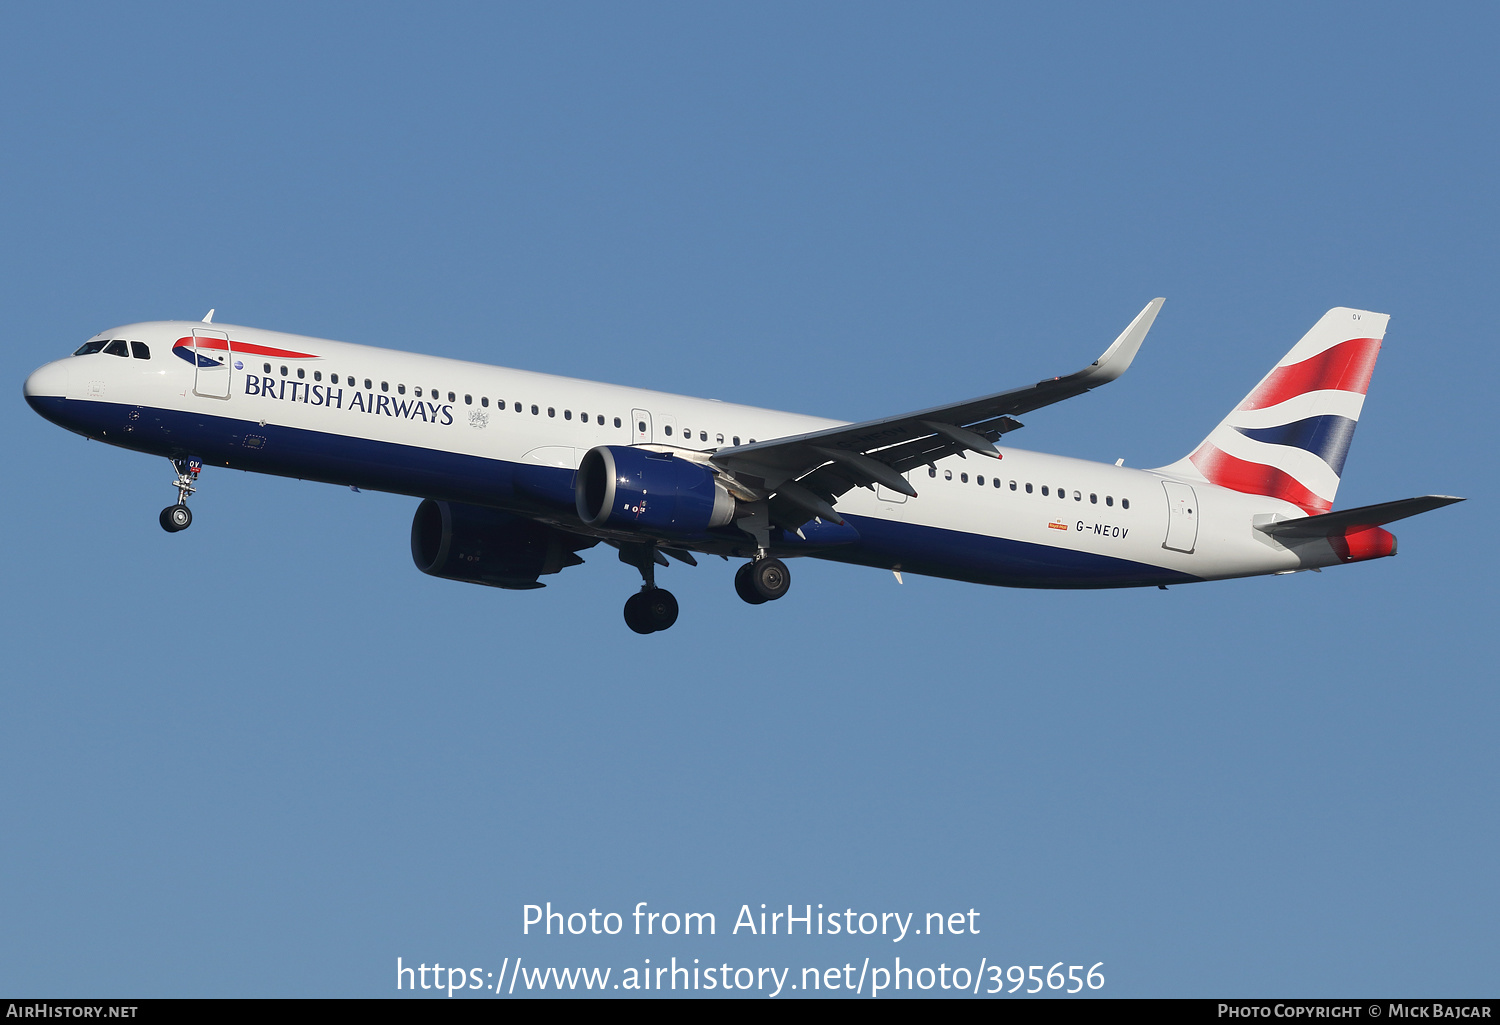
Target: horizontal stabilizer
[{"x": 1352, "y": 521}]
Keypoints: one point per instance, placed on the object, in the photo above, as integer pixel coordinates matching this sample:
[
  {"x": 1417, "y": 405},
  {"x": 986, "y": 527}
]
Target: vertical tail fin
[{"x": 1288, "y": 438}]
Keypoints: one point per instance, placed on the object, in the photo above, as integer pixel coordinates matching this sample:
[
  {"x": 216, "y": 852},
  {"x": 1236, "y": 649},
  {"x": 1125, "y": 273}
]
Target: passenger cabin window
[
  {"x": 737, "y": 441},
  {"x": 117, "y": 348},
  {"x": 567, "y": 414},
  {"x": 301, "y": 373},
  {"x": 468, "y": 400},
  {"x": 452, "y": 397},
  {"x": 1109, "y": 499},
  {"x": 1028, "y": 488},
  {"x": 1093, "y": 499},
  {"x": 1045, "y": 492},
  {"x": 98, "y": 344},
  {"x": 931, "y": 470},
  {"x": 484, "y": 401},
  {"x": 367, "y": 380},
  {"x": 317, "y": 375},
  {"x": 947, "y": 475},
  {"x": 964, "y": 477},
  {"x": 140, "y": 350},
  {"x": 551, "y": 411},
  {"x": 667, "y": 429},
  {"x": 400, "y": 389},
  {"x": 1124, "y": 503}
]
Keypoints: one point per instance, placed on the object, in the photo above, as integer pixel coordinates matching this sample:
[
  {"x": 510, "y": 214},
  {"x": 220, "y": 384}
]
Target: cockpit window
[
  {"x": 89, "y": 348},
  {"x": 117, "y": 348},
  {"x": 140, "y": 350}
]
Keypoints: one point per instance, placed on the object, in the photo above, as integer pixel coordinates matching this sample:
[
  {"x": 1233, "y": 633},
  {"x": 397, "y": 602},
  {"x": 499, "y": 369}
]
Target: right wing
[{"x": 805, "y": 474}]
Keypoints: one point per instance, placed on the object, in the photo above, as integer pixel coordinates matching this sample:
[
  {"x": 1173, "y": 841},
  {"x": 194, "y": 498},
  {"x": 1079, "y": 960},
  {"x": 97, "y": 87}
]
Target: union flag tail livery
[
  {"x": 519, "y": 471},
  {"x": 1288, "y": 438}
]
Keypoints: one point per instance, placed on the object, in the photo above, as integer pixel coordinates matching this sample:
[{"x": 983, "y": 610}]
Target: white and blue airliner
[{"x": 519, "y": 471}]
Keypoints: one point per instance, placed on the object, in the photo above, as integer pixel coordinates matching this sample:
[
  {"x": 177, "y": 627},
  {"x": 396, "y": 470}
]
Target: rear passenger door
[{"x": 1182, "y": 517}]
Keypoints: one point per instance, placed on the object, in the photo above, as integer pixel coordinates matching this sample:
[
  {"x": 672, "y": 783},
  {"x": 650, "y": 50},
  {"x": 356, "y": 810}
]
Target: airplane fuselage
[{"x": 509, "y": 439}]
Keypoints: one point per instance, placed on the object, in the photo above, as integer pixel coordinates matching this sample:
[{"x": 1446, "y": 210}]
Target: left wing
[{"x": 804, "y": 475}]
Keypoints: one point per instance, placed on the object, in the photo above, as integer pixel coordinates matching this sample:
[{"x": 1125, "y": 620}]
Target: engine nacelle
[
  {"x": 487, "y": 546},
  {"x": 652, "y": 492}
]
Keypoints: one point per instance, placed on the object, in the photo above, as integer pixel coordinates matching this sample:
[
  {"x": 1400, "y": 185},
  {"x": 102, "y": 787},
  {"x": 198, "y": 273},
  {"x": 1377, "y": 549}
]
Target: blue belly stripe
[{"x": 548, "y": 491}]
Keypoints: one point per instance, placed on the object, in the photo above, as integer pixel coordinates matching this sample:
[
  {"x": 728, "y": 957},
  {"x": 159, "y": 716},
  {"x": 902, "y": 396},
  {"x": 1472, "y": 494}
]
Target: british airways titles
[{"x": 358, "y": 401}]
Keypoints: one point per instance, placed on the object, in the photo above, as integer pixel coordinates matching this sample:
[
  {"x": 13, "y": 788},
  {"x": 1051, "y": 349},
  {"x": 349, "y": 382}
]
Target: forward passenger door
[{"x": 214, "y": 369}]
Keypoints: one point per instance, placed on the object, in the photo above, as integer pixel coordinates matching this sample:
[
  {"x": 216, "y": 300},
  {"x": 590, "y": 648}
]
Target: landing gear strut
[
  {"x": 652, "y": 608},
  {"x": 179, "y": 517},
  {"x": 762, "y": 580}
]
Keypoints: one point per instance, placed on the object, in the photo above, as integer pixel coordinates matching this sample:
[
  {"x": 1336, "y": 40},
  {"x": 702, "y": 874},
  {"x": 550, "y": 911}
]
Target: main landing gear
[
  {"x": 179, "y": 517},
  {"x": 652, "y": 608},
  {"x": 762, "y": 580}
]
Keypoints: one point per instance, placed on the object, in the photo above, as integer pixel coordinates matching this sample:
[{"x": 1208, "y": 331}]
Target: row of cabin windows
[
  {"x": 484, "y": 401},
  {"x": 1062, "y": 493},
  {"x": 118, "y": 347},
  {"x": 687, "y": 434},
  {"x": 115, "y": 347}
]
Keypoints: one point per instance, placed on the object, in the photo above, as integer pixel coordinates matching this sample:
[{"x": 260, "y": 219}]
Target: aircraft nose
[{"x": 46, "y": 382}]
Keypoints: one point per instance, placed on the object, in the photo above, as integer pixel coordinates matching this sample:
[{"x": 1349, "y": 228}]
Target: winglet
[{"x": 1116, "y": 359}]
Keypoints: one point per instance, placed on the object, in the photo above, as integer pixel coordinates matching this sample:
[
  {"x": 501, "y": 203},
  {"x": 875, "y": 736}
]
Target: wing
[{"x": 804, "y": 475}]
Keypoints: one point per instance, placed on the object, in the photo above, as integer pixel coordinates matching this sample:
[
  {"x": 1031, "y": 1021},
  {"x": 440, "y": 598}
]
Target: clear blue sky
[{"x": 267, "y": 756}]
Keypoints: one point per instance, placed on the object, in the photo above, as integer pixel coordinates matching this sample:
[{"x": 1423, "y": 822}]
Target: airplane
[{"x": 519, "y": 471}]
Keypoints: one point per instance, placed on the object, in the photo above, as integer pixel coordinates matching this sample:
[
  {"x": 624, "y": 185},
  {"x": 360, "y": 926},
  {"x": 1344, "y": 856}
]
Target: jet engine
[
  {"x": 487, "y": 546},
  {"x": 652, "y": 492}
]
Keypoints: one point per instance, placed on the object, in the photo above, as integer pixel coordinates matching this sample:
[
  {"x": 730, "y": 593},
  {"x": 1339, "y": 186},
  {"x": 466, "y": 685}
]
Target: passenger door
[
  {"x": 1182, "y": 517},
  {"x": 640, "y": 427},
  {"x": 214, "y": 369}
]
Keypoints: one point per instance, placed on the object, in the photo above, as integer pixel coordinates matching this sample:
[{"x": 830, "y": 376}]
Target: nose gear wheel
[
  {"x": 179, "y": 517},
  {"x": 176, "y": 517}
]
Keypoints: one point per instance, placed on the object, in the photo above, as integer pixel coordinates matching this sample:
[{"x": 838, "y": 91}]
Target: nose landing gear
[{"x": 179, "y": 517}]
